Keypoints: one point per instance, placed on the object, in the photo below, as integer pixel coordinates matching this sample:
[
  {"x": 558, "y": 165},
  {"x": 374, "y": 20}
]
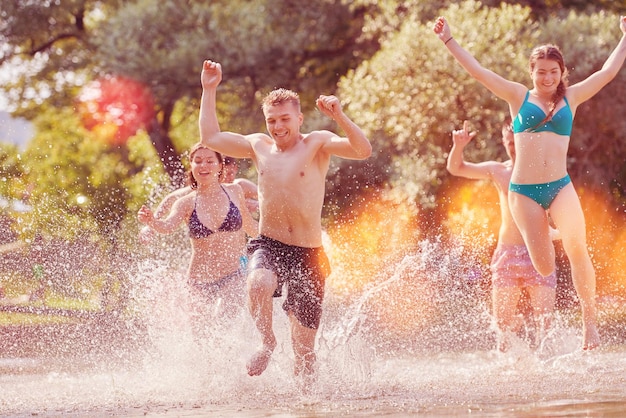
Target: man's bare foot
[
  {"x": 259, "y": 361},
  {"x": 503, "y": 341},
  {"x": 306, "y": 382},
  {"x": 591, "y": 338}
]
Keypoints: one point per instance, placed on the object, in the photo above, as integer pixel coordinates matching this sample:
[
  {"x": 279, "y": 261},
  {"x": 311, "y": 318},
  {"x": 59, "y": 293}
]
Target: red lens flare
[{"x": 115, "y": 108}]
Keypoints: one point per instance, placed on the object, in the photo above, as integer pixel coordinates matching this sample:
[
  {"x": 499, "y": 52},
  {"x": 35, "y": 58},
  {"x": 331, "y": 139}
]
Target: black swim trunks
[{"x": 303, "y": 269}]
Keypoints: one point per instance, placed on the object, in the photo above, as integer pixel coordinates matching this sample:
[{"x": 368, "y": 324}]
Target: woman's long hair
[
  {"x": 191, "y": 180},
  {"x": 553, "y": 53}
]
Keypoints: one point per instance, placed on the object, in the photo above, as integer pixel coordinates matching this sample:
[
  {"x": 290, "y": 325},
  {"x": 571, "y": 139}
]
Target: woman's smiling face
[
  {"x": 205, "y": 164},
  {"x": 546, "y": 75}
]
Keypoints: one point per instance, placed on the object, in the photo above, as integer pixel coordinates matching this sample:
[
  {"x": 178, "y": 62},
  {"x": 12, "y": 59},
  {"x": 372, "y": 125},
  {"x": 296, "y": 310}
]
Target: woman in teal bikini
[{"x": 542, "y": 124}]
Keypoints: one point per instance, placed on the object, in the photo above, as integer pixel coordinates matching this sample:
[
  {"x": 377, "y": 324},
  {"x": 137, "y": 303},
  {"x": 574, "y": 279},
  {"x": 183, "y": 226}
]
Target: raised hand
[
  {"x": 442, "y": 29},
  {"x": 211, "y": 74},
  {"x": 329, "y": 105},
  {"x": 462, "y": 137},
  {"x": 145, "y": 215}
]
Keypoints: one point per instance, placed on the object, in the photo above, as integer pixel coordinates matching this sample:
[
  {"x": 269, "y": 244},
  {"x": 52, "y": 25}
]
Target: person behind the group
[
  {"x": 291, "y": 168},
  {"x": 542, "y": 124},
  {"x": 218, "y": 221},
  {"x": 250, "y": 190},
  {"x": 511, "y": 268}
]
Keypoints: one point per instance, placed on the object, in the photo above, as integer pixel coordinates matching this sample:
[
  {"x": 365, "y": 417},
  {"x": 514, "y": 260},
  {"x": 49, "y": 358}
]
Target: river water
[{"x": 419, "y": 342}]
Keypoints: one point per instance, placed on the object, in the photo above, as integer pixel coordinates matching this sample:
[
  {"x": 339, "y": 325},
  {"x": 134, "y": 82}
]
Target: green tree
[
  {"x": 161, "y": 44},
  {"x": 11, "y": 169},
  {"x": 412, "y": 93},
  {"x": 77, "y": 183},
  {"x": 545, "y": 8},
  {"x": 63, "y": 49},
  {"x": 11, "y": 188},
  {"x": 597, "y": 149}
]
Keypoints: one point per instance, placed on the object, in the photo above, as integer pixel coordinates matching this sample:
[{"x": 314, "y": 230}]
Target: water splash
[{"x": 419, "y": 339}]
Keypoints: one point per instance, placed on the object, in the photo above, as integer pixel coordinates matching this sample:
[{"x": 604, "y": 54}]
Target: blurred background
[{"x": 99, "y": 102}]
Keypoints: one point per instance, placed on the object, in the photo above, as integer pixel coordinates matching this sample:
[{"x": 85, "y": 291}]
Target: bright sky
[
  {"x": 15, "y": 131},
  {"x": 3, "y": 102}
]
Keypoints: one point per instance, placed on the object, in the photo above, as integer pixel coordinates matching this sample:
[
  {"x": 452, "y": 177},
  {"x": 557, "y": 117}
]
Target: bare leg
[
  {"x": 533, "y": 223},
  {"x": 261, "y": 286},
  {"x": 303, "y": 342},
  {"x": 504, "y": 304},
  {"x": 569, "y": 219},
  {"x": 542, "y": 299}
]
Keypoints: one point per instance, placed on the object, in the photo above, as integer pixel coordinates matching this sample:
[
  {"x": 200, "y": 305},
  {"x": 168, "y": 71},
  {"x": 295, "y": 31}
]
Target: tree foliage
[
  {"x": 161, "y": 44},
  {"x": 400, "y": 85},
  {"x": 46, "y": 46},
  {"x": 597, "y": 150},
  {"x": 11, "y": 169},
  {"x": 76, "y": 183},
  {"x": 412, "y": 93}
]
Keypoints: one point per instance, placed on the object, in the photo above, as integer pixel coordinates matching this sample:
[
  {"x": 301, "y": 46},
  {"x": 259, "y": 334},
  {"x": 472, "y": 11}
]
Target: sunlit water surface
[{"x": 417, "y": 342}]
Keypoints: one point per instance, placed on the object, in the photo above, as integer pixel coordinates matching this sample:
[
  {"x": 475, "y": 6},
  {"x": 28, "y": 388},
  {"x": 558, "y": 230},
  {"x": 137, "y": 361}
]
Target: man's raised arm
[
  {"x": 360, "y": 147},
  {"x": 227, "y": 143},
  {"x": 211, "y": 78}
]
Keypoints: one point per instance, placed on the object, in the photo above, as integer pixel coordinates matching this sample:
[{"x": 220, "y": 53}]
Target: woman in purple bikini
[
  {"x": 542, "y": 124},
  {"x": 218, "y": 221}
]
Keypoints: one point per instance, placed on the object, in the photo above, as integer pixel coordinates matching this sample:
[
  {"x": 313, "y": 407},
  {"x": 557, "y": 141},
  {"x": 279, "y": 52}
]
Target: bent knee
[
  {"x": 262, "y": 281},
  {"x": 545, "y": 269},
  {"x": 545, "y": 264}
]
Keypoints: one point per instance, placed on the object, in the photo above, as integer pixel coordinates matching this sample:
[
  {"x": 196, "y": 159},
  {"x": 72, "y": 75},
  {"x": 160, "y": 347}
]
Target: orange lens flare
[
  {"x": 606, "y": 239},
  {"x": 360, "y": 247},
  {"x": 473, "y": 214},
  {"x": 376, "y": 256},
  {"x": 366, "y": 255}
]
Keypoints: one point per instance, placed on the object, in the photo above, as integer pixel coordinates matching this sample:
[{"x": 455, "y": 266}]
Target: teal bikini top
[{"x": 530, "y": 115}]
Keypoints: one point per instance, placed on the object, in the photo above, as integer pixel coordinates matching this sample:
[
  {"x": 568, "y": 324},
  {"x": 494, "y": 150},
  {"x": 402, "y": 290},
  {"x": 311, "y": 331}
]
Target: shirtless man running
[{"x": 292, "y": 168}]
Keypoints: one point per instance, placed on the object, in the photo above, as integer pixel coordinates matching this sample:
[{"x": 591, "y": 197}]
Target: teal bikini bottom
[{"x": 542, "y": 193}]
